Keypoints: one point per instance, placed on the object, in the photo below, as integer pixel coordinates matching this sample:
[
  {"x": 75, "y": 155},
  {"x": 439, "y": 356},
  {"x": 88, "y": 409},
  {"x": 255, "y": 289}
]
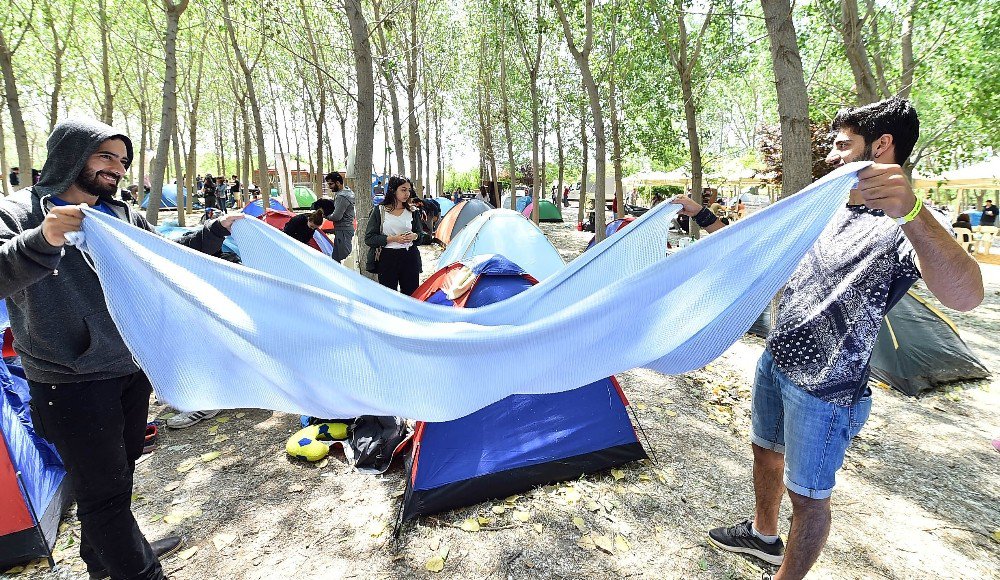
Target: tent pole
[{"x": 644, "y": 435}]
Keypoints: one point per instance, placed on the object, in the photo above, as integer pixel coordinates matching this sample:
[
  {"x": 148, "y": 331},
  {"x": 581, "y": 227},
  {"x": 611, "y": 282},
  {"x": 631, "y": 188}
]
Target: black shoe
[
  {"x": 162, "y": 549},
  {"x": 741, "y": 539}
]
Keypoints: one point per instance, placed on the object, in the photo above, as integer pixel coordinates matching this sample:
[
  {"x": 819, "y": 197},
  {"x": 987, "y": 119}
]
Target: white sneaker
[{"x": 185, "y": 420}]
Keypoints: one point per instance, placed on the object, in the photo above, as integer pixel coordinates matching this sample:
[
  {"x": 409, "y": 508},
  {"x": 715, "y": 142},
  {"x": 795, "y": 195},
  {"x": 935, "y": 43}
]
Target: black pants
[
  {"x": 98, "y": 428},
  {"x": 400, "y": 269}
]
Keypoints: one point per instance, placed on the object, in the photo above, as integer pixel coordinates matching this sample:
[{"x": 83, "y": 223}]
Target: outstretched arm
[{"x": 691, "y": 208}]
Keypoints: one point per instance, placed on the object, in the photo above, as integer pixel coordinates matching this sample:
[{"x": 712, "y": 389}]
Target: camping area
[{"x": 499, "y": 289}]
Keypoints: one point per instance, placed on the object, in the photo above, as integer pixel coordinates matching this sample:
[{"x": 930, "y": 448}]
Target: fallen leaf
[
  {"x": 671, "y": 413},
  {"x": 537, "y": 527},
  {"x": 521, "y": 516},
  {"x": 186, "y": 465},
  {"x": 213, "y": 429},
  {"x": 172, "y": 486},
  {"x": 668, "y": 402},
  {"x": 996, "y": 535},
  {"x": 222, "y": 419},
  {"x": 512, "y": 499},
  {"x": 376, "y": 529},
  {"x": 604, "y": 543},
  {"x": 703, "y": 564},
  {"x": 323, "y": 463},
  {"x": 435, "y": 564},
  {"x": 14, "y": 570},
  {"x": 443, "y": 552},
  {"x": 593, "y": 506},
  {"x": 643, "y": 477},
  {"x": 220, "y": 438},
  {"x": 186, "y": 554},
  {"x": 173, "y": 518},
  {"x": 621, "y": 544},
  {"x": 295, "y": 488},
  {"x": 580, "y": 525},
  {"x": 499, "y": 509},
  {"x": 572, "y": 495},
  {"x": 398, "y": 493},
  {"x": 156, "y": 517},
  {"x": 240, "y": 415},
  {"x": 435, "y": 543},
  {"x": 640, "y": 406},
  {"x": 470, "y": 525},
  {"x": 222, "y": 540},
  {"x": 211, "y": 456},
  {"x": 485, "y": 521},
  {"x": 617, "y": 474},
  {"x": 586, "y": 542}
]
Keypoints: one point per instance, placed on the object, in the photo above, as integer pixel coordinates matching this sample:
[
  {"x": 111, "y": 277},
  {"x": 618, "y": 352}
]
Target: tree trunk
[
  {"x": 191, "y": 167},
  {"x": 246, "y": 175},
  {"x": 168, "y": 110},
  {"x": 793, "y": 99},
  {"x": 561, "y": 157},
  {"x": 4, "y": 168},
  {"x": 504, "y": 96},
  {"x": 854, "y": 48},
  {"x": 616, "y": 145},
  {"x": 359, "y": 173},
  {"x": 582, "y": 57},
  {"x": 254, "y": 106},
  {"x": 397, "y": 126},
  {"x": 16, "y": 118},
  {"x": 906, "y": 46},
  {"x": 581, "y": 212},
  {"x": 179, "y": 191},
  {"x": 108, "y": 105}
]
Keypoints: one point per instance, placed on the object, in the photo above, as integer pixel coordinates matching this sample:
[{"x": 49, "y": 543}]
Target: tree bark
[
  {"x": 616, "y": 145},
  {"x": 506, "y": 114},
  {"x": 359, "y": 172},
  {"x": 906, "y": 46},
  {"x": 4, "y": 168},
  {"x": 168, "y": 110},
  {"x": 854, "y": 48},
  {"x": 581, "y": 211},
  {"x": 582, "y": 57},
  {"x": 179, "y": 190},
  {"x": 254, "y": 105},
  {"x": 16, "y": 117},
  {"x": 561, "y": 156},
  {"x": 413, "y": 146},
  {"x": 793, "y": 99},
  {"x": 108, "y": 105},
  {"x": 531, "y": 64}
]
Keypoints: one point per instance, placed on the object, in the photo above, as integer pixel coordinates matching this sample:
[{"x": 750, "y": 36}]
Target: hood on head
[{"x": 69, "y": 146}]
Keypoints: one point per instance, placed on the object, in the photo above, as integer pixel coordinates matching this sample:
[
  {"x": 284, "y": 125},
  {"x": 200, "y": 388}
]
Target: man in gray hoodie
[
  {"x": 340, "y": 211},
  {"x": 88, "y": 396}
]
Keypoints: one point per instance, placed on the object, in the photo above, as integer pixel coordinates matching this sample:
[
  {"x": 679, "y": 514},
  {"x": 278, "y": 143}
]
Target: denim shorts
[{"x": 812, "y": 433}]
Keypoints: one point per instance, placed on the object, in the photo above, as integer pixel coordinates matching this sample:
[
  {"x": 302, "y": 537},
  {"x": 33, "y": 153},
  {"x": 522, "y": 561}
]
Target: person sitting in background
[
  {"x": 303, "y": 226},
  {"x": 962, "y": 221}
]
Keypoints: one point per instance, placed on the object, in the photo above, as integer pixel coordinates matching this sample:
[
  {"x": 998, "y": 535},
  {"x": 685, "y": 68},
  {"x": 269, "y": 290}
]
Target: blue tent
[
  {"x": 505, "y": 232},
  {"x": 256, "y": 209},
  {"x": 445, "y": 203},
  {"x": 33, "y": 486},
  {"x": 168, "y": 199},
  {"x": 519, "y": 442}
]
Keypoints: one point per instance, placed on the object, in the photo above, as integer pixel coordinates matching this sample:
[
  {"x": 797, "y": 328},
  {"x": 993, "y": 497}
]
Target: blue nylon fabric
[
  {"x": 683, "y": 311},
  {"x": 35, "y": 458}
]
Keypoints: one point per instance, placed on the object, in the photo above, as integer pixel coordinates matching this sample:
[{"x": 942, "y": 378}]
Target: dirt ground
[{"x": 918, "y": 496}]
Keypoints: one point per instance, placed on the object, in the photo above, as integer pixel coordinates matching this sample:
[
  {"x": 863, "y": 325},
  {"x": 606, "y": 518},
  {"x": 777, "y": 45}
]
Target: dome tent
[
  {"x": 521, "y": 441},
  {"x": 459, "y": 217},
  {"x": 505, "y": 232}
]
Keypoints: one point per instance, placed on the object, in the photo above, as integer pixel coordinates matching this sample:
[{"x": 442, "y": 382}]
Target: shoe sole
[{"x": 776, "y": 560}]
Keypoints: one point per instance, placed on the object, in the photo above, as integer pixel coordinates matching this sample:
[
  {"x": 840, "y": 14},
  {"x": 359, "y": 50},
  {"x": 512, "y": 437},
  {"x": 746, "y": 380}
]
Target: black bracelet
[{"x": 705, "y": 218}]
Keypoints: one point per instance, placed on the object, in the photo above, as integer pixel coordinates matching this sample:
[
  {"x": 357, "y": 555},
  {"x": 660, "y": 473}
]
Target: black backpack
[{"x": 374, "y": 441}]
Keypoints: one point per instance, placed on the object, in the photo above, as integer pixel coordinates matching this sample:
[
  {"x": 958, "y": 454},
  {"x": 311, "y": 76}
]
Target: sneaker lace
[{"x": 742, "y": 529}]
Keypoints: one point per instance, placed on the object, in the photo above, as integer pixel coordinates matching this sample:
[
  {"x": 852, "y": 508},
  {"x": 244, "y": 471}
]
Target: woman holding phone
[{"x": 392, "y": 235}]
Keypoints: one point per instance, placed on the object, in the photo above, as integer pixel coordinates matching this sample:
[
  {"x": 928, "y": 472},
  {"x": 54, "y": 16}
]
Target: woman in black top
[
  {"x": 208, "y": 190},
  {"x": 393, "y": 232},
  {"x": 302, "y": 226}
]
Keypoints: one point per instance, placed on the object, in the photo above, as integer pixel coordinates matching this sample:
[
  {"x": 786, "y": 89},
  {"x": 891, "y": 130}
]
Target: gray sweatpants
[{"x": 343, "y": 241}]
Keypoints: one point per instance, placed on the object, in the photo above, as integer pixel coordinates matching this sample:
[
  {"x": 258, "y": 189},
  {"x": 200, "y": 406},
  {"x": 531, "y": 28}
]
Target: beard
[{"x": 91, "y": 182}]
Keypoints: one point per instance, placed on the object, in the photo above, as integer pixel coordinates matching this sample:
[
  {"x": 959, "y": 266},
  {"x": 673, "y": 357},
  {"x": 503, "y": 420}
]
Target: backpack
[{"x": 374, "y": 441}]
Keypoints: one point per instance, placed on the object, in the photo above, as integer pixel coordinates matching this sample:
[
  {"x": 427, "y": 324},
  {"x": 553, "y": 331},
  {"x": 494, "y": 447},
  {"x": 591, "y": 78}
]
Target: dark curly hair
[
  {"x": 390, "y": 189},
  {"x": 894, "y": 116}
]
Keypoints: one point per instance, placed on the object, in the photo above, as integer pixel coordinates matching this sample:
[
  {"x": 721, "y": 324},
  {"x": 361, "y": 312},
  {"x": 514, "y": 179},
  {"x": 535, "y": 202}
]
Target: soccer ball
[{"x": 312, "y": 443}]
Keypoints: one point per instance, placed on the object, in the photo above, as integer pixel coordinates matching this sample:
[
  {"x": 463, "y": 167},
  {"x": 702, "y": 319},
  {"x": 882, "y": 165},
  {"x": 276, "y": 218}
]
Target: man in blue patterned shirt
[{"x": 810, "y": 394}]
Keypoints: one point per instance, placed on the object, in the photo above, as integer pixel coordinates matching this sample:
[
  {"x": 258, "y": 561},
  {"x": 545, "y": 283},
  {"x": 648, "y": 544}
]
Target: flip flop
[{"x": 152, "y": 434}]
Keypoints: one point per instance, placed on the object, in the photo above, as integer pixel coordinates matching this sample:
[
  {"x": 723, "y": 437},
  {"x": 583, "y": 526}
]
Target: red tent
[{"x": 278, "y": 219}]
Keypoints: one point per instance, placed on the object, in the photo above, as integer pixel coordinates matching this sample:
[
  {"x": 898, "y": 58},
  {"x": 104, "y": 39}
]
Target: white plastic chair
[{"x": 965, "y": 239}]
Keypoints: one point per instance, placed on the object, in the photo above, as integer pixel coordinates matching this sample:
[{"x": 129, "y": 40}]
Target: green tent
[
  {"x": 547, "y": 211},
  {"x": 304, "y": 197}
]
